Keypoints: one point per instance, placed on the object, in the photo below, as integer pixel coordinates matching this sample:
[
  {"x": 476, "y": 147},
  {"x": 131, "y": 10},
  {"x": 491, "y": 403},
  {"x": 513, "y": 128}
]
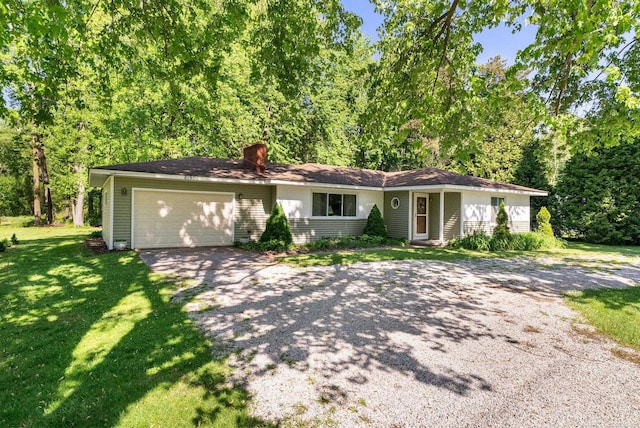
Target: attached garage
[{"x": 181, "y": 218}]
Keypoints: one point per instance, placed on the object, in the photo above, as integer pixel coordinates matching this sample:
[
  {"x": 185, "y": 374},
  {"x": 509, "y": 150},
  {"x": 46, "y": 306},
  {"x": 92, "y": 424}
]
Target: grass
[
  {"x": 573, "y": 252},
  {"x": 95, "y": 341},
  {"x": 614, "y": 312}
]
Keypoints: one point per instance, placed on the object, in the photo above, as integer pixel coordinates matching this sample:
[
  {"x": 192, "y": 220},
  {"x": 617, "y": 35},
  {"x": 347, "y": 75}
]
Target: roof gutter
[{"x": 106, "y": 173}]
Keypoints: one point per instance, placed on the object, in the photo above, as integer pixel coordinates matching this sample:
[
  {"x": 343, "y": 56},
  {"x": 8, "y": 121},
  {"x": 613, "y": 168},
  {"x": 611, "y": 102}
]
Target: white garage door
[{"x": 165, "y": 218}]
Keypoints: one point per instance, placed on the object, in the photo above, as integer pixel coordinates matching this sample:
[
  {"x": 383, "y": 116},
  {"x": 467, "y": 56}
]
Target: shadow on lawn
[{"x": 93, "y": 341}]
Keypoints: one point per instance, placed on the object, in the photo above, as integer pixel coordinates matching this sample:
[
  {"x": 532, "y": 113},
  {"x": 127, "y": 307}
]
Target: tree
[
  {"x": 501, "y": 232},
  {"x": 598, "y": 195},
  {"x": 277, "y": 228},
  {"x": 543, "y": 217},
  {"x": 375, "y": 224}
]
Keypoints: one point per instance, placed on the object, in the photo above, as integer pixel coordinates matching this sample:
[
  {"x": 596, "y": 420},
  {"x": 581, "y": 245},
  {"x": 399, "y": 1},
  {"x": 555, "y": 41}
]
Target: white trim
[
  {"x": 414, "y": 226},
  {"x": 410, "y": 219},
  {"x": 441, "y": 225},
  {"x": 111, "y": 209},
  {"x": 459, "y": 187},
  {"x": 152, "y": 189},
  {"x": 191, "y": 178},
  {"x": 461, "y": 214},
  {"x": 396, "y": 199}
]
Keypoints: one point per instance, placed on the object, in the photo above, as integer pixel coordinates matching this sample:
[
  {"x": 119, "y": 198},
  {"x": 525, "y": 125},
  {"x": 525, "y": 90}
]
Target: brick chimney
[{"x": 255, "y": 157}]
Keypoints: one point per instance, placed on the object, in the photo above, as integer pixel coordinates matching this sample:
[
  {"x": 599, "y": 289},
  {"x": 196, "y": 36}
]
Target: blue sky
[{"x": 496, "y": 41}]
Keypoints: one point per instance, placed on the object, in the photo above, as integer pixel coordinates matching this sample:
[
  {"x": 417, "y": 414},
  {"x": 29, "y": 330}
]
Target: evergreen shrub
[
  {"x": 543, "y": 218},
  {"x": 375, "y": 224},
  {"x": 501, "y": 233},
  {"x": 277, "y": 229}
]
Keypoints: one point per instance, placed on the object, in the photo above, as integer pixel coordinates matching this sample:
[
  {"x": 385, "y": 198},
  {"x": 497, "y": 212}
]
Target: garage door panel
[{"x": 182, "y": 219}]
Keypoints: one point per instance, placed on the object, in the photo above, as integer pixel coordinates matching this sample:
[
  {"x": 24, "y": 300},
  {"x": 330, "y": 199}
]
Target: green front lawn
[
  {"x": 94, "y": 341},
  {"x": 379, "y": 254},
  {"x": 574, "y": 252},
  {"x": 614, "y": 312}
]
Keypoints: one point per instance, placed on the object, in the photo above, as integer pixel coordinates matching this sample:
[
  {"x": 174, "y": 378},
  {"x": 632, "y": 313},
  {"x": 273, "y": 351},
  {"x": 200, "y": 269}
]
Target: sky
[{"x": 496, "y": 41}]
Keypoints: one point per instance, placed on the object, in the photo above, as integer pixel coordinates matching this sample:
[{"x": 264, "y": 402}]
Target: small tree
[
  {"x": 501, "y": 232},
  {"x": 544, "y": 226},
  {"x": 375, "y": 224},
  {"x": 277, "y": 228}
]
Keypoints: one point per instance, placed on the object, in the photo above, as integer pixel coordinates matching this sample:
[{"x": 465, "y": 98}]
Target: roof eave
[
  {"x": 531, "y": 192},
  {"x": 98, "y": 176}
]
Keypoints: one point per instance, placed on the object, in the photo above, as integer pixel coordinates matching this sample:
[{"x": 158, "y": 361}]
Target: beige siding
[
  {"x": 397, "y": 220},
  {"x": 452, "y": 212},
  {"x": 514, "y": 227},
  {"x": 472, "y": 226},
  {"x": 434, "y": 216},
  {"x": 307, "y": 230},
  {"x": 253, "y": 203},
  {"x": 519, "y": 226}
]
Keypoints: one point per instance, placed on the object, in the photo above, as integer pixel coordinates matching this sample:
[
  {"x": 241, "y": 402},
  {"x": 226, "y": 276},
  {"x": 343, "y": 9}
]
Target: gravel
[{"x": 413, "y": 343}]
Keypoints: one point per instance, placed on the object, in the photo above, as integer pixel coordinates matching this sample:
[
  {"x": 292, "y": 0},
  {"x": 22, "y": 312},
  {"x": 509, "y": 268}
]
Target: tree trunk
[
  {"x": 37, "y": 211},
  {"x": 49, "y": 202},
  {"x": 78, "y": 202},
  {"x": 67, "y": 209}
]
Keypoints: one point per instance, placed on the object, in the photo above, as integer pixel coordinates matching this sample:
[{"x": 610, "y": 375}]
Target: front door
[{"x": 420, "y": 230}]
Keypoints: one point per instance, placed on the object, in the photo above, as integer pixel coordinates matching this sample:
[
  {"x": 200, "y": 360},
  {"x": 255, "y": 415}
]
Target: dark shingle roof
[{"x": 310, "y": 173}]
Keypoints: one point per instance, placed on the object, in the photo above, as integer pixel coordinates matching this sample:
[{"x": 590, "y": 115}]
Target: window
[
  {"x": 333, "y": 204},
  {"x": 395, "y": 202},
  {"x": 495, "y": 207}
]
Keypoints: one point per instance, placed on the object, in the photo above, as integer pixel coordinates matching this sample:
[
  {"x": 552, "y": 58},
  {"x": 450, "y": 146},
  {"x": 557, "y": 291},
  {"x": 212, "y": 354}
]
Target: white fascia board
[
  {"x": 190, "y": 178},
  {"x": 468, "y": 188},
  {"x": 317, "y": 184}
]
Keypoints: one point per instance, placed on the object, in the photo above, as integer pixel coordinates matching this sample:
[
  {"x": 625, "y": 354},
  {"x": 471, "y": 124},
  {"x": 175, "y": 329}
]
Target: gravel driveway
[{"x": 412, "y": 343}]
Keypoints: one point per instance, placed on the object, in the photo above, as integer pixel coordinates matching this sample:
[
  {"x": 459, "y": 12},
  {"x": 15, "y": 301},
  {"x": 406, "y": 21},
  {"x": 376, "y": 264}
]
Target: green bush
[
  {"x": 96, "y": 234},
  {"x": 477, "y": 241},
  {"x": 94, "y": 220},
  {"x": 4, "y": 244},
  {"x": 501, "y": 233},
  {"x": 529, "y": 241},
  {"x": 543, "y": 218},
  {"x": 264, "y": 247},
  {"x": 375, "y": 224},
  {"x": 277, "y": 228}
]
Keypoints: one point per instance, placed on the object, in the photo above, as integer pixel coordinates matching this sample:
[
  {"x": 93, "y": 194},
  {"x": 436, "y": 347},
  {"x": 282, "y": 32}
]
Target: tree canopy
[{"x": 89, "y": 82}]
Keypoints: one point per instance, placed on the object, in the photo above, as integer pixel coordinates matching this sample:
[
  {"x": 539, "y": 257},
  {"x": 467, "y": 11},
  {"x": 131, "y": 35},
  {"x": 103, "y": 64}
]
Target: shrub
[
  {"x": 277, "y": 228},
  {"x": 4, "y": 244},
  {"x": 543, "y": 218},
  {"x": 14, "y": 240},
  {"x": 96, "y": 234},
  {"x": 477, "y": 241},
  {"x": 94, "y": 220},
  {"x": 501, "y": 232},
  {"x": 529, "y": 241},
  {"x": 375, "y": 224},
  {"x": 263, "y": 247}
]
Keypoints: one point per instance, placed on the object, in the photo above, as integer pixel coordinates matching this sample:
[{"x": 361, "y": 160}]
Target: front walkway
[{"x": 411, "y": 343}]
